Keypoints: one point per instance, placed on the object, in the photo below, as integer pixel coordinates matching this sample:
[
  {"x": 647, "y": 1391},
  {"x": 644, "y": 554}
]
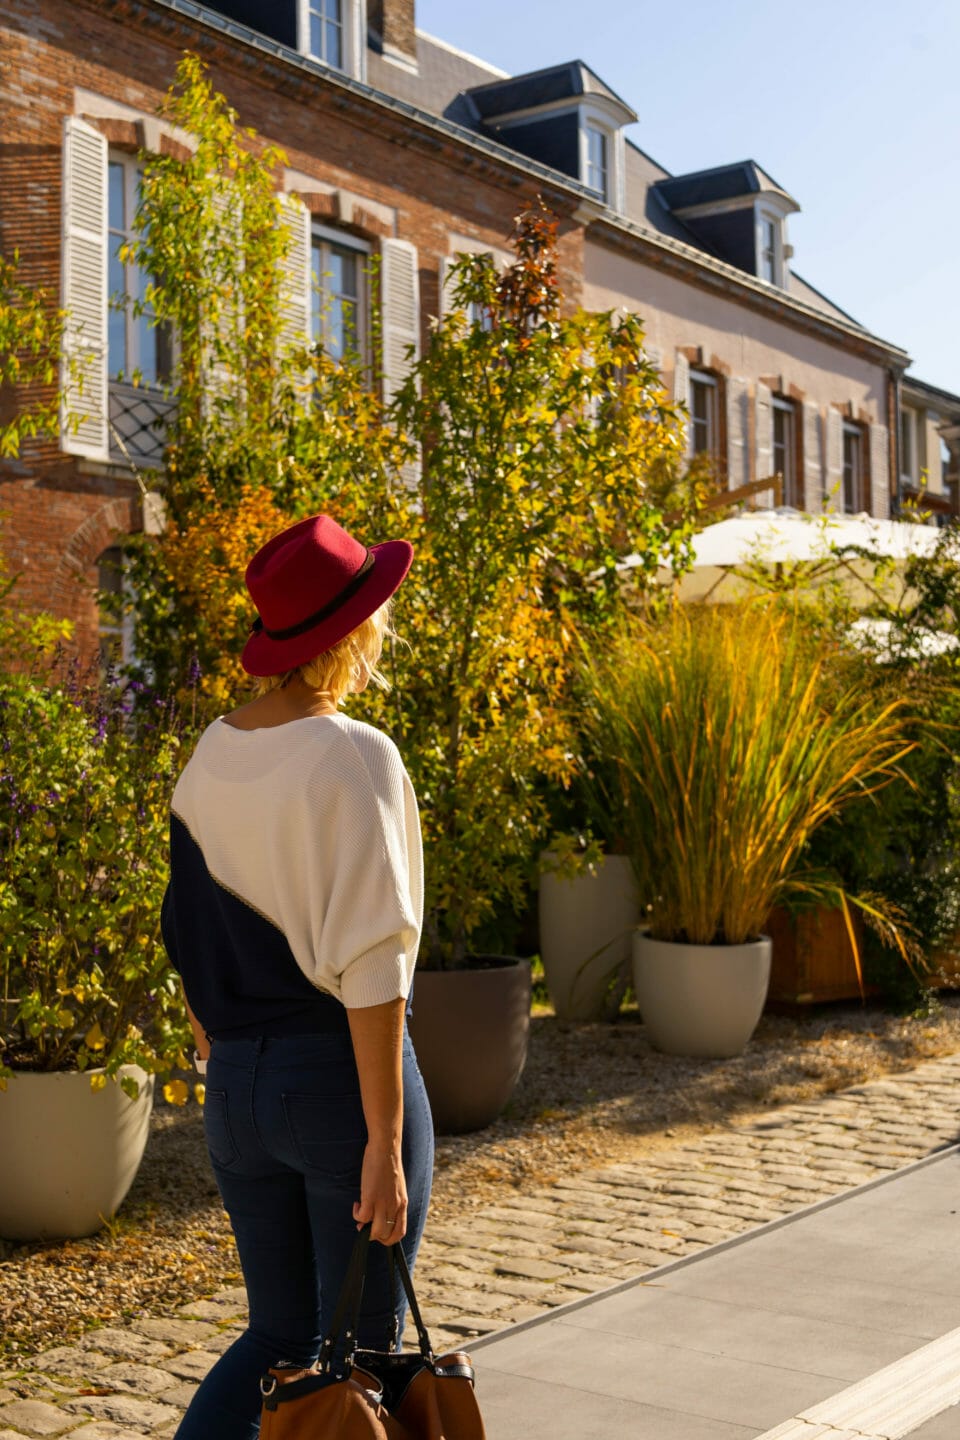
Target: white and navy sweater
[{"x": 296, "y": 875}]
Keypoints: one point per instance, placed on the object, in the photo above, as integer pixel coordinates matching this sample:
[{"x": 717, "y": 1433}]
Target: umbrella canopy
[{"x": 731, "y": 557}]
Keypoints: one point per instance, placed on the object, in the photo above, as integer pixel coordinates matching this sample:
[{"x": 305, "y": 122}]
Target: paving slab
[{"x": 738, "y": 1340}]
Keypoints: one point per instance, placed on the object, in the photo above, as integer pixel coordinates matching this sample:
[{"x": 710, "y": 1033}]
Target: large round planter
[
  {"x": 700, "y": 1000},
  {"x": 69, "y": 1153},
  {"x": 586, "y": 930},
  {"x": 470, "y": 1030}
]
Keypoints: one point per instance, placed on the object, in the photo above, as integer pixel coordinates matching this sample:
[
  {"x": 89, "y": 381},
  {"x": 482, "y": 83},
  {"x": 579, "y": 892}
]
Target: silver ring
[{"x": 391, "y": 1222}]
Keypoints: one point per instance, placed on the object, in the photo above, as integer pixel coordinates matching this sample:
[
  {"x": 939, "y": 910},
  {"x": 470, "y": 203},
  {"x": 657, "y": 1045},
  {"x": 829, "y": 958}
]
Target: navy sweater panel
[{"x": 238, "y": 970}]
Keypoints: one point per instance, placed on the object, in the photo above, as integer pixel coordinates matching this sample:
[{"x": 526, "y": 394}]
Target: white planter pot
[
  {"x": 700, "y": 1000},
  {"x": 586, "y": 928},
  {"x": 69, "y": 1153}
]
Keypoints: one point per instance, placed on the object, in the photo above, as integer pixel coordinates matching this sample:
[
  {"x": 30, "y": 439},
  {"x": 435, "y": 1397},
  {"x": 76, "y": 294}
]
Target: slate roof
[
  {"x": 723, "y": 182},
  {"x": 553, "y": 85}
]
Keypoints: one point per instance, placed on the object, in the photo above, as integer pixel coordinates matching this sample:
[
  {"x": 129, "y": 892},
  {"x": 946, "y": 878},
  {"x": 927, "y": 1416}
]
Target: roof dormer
[
  {"x": 739, "y": 213},
  {"x": 564, "y": 117}
]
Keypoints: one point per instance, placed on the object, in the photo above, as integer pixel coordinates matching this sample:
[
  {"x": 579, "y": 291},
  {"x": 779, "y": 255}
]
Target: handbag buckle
[{"x": 268, "y": 1384}]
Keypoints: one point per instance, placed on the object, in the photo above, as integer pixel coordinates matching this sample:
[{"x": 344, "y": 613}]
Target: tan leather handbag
[{"x": 372, "y": 1394}]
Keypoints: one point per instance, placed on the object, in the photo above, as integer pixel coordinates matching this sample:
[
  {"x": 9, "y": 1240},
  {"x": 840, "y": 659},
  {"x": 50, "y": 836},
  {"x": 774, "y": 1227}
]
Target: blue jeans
[{"x": 286, "y": 1136}]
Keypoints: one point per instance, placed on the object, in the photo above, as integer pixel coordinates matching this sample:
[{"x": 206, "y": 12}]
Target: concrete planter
[
  {"x": 470, "y": 1030},
  {"x": 700, "y": 1000},
  {"x": 586, "y": 932},
  {"x": 70, "y": 1153}
]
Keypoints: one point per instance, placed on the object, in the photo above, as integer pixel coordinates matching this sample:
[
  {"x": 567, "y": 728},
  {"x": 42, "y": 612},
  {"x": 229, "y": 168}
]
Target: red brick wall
[{"x": 56, "y": 514}]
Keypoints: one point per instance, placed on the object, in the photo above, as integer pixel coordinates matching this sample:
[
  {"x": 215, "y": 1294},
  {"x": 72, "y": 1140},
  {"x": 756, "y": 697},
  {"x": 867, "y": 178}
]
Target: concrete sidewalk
[{"x": 841, "y": 1322}]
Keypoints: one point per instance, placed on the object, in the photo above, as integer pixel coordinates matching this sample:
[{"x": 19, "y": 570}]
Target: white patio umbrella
[{"x": 816, "y": 549}]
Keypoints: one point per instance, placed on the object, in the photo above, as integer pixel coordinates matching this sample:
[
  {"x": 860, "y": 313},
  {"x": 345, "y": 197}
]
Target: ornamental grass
[{"x": 732, "y": 734}]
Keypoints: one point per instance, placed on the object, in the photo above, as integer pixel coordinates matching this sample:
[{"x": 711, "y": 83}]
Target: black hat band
[{"x": 324, "y": 613}]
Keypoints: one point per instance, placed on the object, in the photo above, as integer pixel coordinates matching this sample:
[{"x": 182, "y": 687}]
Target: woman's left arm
[{"x": 377, "y": 1035}]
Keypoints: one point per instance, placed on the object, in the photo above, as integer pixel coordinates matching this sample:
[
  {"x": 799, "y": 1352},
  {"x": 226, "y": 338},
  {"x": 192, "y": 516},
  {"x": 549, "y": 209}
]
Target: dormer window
[
  {"x": 330, "y": 31},
  {"x": 738, "y": 212},
  {"x": 564, "y": 117},
  {"x": 596, "y": 146}
]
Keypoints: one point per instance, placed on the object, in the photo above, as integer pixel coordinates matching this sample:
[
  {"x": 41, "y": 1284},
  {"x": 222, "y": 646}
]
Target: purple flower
[{"x": 194, "y": 672}]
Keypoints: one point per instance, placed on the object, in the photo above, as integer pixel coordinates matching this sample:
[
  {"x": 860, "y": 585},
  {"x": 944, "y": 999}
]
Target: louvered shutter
[
  {"x": 738, "y": 456},
  {"x": 296, "y": 281},
  {"x": 681, "y": 396},
  {"x": 83, "y": 429},
  {"x": 880, "y": 471},
  {"x": 763, "y": 419},
  {"x": 834, "y": 483},
  {"x": 812, "y": 458},
  {"x": 400, "y": 320}
]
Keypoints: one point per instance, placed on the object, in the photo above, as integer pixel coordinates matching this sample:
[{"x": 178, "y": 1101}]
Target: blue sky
[{"x": 851, "y": 105}]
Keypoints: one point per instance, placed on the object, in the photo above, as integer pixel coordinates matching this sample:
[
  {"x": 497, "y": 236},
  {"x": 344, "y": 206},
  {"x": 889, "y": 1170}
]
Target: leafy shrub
[{"x": 84, "y": 795}]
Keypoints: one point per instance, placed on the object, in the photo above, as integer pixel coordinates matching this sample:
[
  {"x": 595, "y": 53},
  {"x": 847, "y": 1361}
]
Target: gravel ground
[{"x": 590, "y": 1095}]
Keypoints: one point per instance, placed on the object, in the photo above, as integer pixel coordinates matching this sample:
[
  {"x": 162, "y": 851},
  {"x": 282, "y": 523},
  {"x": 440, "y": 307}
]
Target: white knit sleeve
[{"x": 366, "y": 918}]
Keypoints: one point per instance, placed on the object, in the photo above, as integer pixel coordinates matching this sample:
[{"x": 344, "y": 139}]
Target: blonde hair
[{"x": 346, "y": 665}]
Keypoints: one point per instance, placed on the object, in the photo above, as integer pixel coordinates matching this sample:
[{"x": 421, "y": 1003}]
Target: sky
[{"x": 853, "y": 106}]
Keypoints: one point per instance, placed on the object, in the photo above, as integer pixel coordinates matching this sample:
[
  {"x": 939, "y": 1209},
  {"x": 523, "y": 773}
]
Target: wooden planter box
[{"x": 812, "y": 957}]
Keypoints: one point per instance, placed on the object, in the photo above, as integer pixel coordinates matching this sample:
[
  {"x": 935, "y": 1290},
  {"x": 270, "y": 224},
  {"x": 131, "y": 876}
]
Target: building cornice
[
  {"x": 184, "y": 21},
  {"x": 673, "y": 257}
]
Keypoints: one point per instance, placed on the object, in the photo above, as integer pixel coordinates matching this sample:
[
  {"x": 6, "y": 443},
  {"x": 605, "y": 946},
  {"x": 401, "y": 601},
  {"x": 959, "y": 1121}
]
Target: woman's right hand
[{"x": 383, "y": 1193}]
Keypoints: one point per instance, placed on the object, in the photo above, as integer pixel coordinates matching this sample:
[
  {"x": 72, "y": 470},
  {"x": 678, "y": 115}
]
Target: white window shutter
[
  {"x": 738, "y": 454},
  {"x": 880, "y": 471},
  {"x": 763, "y": 415},
  {"x": 681, "y": 396},
  {"x": 296, "y": 279},
  {"x": 400, "y": 319},
  {"x": 834, "y": 482},
  {"x": 812, "y": 458},
  {"x": 83, "y": 427}
]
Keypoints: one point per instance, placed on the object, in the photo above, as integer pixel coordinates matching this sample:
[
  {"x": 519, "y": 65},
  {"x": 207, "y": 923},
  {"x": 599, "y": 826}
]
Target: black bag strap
[
  {"x": 346, "y": 1317},
  {"x": 398, "y": 1261}
]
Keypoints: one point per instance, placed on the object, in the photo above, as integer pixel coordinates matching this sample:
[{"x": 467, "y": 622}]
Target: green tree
[{"x": 540, "y": 431}]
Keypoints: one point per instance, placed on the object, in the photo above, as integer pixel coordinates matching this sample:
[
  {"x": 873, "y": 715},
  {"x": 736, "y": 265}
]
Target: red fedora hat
[{"x": 312, "y": 585}]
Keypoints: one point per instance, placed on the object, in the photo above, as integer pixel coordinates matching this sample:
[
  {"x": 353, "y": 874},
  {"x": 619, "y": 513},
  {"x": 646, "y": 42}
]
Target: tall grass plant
[{"x": 732, "y": 741}]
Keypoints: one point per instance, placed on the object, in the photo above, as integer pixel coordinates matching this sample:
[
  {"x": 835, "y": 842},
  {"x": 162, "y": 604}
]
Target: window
[
  {"x": 785, "y": 448},
  {"x": 912, "y": 449},
  {"x": 339, "y": 292},
  {"x": 770, "y": 246},
  {"x": 768, "y": 255},
  {"x": 852, "y": 469},
  {"x": 115, "y": 629},
  {"x": 137, "y": 349},
  {"x": 704, "y": 412},
  {"x": 596, "y": 177},
  {"x": 325, "y": 19}
]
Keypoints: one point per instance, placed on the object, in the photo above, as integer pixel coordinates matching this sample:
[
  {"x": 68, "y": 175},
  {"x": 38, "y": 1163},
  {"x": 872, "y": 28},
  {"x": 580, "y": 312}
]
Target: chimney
[{"x": 394, "y": 22}]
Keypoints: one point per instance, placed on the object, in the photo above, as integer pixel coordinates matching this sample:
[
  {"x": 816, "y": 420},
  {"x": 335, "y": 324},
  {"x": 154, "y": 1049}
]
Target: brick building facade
[{"x": 399, "y": 146}]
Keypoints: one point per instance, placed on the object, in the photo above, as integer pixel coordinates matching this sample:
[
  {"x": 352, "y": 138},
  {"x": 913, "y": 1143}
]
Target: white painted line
[{"x": 888, "y": 1404}]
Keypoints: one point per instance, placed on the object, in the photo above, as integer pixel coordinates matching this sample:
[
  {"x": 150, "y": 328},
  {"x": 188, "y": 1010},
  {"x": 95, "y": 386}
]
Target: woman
[{"x": 293, "y": 916}]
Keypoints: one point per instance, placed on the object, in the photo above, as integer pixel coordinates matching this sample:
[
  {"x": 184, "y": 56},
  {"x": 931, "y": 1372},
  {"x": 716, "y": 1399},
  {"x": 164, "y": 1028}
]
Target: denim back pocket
[
  {"x": 328, "y": 1134},
  {"x": 216, "y": 1124}
]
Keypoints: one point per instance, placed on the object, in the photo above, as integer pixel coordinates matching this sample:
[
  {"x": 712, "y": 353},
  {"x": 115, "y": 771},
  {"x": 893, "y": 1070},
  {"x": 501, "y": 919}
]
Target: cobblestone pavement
[{"x": 514, "y": 1260}]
